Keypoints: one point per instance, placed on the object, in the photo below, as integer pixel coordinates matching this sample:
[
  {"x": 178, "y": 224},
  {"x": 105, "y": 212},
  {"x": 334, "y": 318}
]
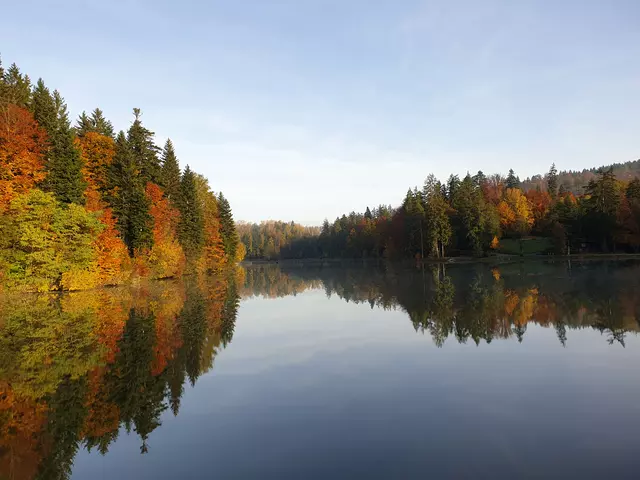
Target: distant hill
[{"x": 576, "y": 181}]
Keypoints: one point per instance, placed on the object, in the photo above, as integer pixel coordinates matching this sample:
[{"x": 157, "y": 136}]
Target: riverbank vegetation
[
  {"x": 84, "y": 206},
  {"x": 481, "y": 215}
]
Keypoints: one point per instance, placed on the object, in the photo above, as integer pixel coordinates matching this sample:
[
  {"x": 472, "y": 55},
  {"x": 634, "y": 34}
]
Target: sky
[{"x": 307, "y": 109}]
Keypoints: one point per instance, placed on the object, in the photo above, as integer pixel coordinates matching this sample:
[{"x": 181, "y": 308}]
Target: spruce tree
[
  {"x": 15, "y": 88},
  {"x": 191, "y": 226},
  {"x": 512, "y": 180},
  {"x": 170, "y": 173},
  {"x": 83, "y": 125},
  {"x": 128, "y": 199},
  {"x": 227, "y": 228},
  {"x": 100, "y": 124},
  {"x": 552, "y": 181},
  {"x": 94, "y": 123},
  {"x": 63, "y": 162},
  {"x": 367, "y": 214},
  {"x": 144, "y": 151}
]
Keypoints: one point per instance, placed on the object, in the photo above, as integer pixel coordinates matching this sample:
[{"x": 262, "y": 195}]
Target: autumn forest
[
  {"x": 476, "y": 216},
  {"x": 83, "y": 206}
]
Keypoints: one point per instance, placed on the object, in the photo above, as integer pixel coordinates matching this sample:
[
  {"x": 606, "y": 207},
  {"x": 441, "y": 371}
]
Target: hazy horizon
[{"x": 308, "y": 110}]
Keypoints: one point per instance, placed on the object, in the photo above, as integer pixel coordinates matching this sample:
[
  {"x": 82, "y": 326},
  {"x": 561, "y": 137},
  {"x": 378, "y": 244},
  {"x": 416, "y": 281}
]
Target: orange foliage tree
[
  {"x": 515, "y": 212},
  {"x": 166, "y": 257},
  {"x": 97, "y": 153},
  {"x": 22, "y": 143},
  {"x": 540, "y": 202}
]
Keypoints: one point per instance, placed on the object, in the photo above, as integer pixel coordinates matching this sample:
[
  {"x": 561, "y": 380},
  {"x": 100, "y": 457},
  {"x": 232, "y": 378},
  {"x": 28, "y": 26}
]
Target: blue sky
[{"x": 306, "y": 109}]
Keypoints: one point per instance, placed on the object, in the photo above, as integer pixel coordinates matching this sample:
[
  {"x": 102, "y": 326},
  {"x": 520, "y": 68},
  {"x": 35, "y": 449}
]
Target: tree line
[
  {"x": 83, "y": 205},
  {"x": 575, "y": 181},
  {"x": 274, "y": 239},
  {"x": 479, "y": 215}
]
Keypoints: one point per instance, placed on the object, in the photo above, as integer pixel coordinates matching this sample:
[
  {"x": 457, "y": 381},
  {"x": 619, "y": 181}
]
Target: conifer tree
[
  {"x": 94, "y": 123},
  {"x": 128, "y": 200},
  {"x": 227, "y": 228},
  {"x": 170, "y": 173},
  {"x": 512, "y": 180},
  {"x": 63, "y": 162},
  {"x": 15, "y": 88},
  {"x": 144, "y": 151},
  {"x": 367, "y": 214},
  {"x": 552, "y": 181},
  {"x": 191, "y": 226}
]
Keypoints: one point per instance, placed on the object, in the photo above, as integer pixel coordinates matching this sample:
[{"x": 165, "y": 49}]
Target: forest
[
  {"x": 83, "y": 206},
  {"x": 475, "y": 216}
]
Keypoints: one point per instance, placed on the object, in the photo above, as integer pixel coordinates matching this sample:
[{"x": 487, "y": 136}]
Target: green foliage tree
[
  {"x": 437, "y": 220},
  {"x": 512, "y": 180},
  {"x": 15, "y": 88},
  {"x": 171, "y": 176},
  {"x": 552, "y": 181},
  {"x": 95, "y": 123},
  {"x": 63, "y": 162},
  {"x": 42, "y": 241},
  {"x": 227, "y": 228},
  {"x": 603, "y": 198},
  {"x": 128, "y": 200},
  {"x": 143, "y": 150},
  {"x": 191, "y": 226}
]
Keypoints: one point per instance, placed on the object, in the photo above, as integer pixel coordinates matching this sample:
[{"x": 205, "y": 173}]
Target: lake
[{"x": 523, "y": 370}]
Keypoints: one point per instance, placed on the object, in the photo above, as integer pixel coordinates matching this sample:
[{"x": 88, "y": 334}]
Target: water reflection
[
  {"x": 77, "y": 367},
  {"x": 477, "y": 302}
]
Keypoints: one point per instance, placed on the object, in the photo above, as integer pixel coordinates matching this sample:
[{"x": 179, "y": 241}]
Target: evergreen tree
[
  {"x": 479, "y": 178},
  {"x": 101, "y": 124},
  {"x": 170, "y": 173},
  {"x": 512, "y": 180},
  {"x": 94, "y": 123},
  {"x": 191, "y": 226},
  {"x": 128, "y": 199},
  {"x": 552, "y": 181},
  {"x": 602, "y": 207},
  {"x": 15, "y": 88},
  {"x": 144, "y": 151},
  {"x": 367, "y": 214},
  {"x": 227, "y": 228},
  {"x": 63, "y": 162},
  {"x": 83, "y": 125},
  {"x": 437, "y": 220}
]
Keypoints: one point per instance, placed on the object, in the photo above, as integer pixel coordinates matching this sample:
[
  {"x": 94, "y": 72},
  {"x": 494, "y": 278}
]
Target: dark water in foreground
[{"x": 525, "y": 371}]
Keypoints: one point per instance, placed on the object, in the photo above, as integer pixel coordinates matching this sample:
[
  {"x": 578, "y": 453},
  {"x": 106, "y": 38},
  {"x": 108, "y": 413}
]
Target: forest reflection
[
  {"x": 75, "y": 368},
  {"x": 475, "y": 302}
]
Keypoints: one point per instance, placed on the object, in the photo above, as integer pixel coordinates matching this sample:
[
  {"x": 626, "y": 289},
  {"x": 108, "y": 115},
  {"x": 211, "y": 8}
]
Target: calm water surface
[{"x": 520, "y": 371}]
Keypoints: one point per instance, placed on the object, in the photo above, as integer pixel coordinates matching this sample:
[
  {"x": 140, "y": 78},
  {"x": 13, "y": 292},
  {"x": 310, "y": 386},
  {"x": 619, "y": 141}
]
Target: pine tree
[
  {"x": 144, "y": 151},
  {"x": 128, "y": 200},
  {"x": 191, "y": 226},
  {"x": 63, "y": 162},
  {"x": 227, "y": 228},
  {"x": 512, "y": 180},
  {"x": 170, "y": 173},
  {"x": 552, "y": 181}
]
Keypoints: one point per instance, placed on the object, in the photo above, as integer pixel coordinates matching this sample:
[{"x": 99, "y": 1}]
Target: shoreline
[{"x": 495, "y": 259}]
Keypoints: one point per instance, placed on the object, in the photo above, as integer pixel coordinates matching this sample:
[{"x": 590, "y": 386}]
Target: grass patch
[{"x": 530, "y": 246}]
